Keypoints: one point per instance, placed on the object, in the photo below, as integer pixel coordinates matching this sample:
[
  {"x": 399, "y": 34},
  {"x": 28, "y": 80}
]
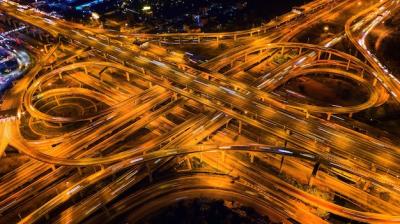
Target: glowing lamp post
[{"x": 146, "y": 8}]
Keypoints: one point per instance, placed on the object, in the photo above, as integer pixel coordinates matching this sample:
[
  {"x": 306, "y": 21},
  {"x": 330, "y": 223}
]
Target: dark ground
[{"x": 205, "y": 211}]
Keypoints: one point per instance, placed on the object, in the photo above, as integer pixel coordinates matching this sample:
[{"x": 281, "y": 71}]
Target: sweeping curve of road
[{"x": 169, "y": 85}]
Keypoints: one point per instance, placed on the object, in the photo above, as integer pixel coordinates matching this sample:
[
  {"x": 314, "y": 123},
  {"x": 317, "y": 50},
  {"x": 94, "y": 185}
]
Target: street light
[
  {"x": 146, "y": 8},
  {"x": 95, "y": 16}
]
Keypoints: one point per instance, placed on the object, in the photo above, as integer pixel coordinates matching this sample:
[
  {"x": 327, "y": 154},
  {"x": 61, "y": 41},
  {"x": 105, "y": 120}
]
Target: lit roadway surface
[
  {"x": 390, "y": 82},
  {"x": 120, "y": 90}
]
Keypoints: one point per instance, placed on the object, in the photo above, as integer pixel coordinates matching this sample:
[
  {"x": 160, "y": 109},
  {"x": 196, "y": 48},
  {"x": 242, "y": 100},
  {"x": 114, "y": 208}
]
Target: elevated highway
[
  {"x": 257, "y": 111},
  {"x": 389, "y": 81},
  {"x": 155, "y": 156},
  {"x": 171, "y": 86}
]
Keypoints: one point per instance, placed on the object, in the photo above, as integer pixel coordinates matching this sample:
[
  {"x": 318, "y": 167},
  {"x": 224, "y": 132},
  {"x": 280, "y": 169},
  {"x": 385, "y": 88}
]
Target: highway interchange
[{"x": 87, "y": 99}]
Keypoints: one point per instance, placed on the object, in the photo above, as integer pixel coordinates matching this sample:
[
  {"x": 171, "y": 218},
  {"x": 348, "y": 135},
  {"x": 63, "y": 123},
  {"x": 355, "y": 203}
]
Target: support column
[
  {"x": 316, "y": 168},
  {"x": 188, "y": 163},
  {"x": 374, "y": 82},
  {"x": 281, "y": 166},
  {"x": 128, "y": 78},
  {"x": 46, "y": 50},
  {"x": 251, "y": 157},
  {"x": 79, "y": 171},
  {"x": 57, "y": 101},
  {"x": 329, "y": 115},
  {"x": 366, "y": 185},
  {"x": 223, "y": 156},
  {"x": 373, "y": 167},
  {"x": 314, "y": 173},
  {"x": 149, "y": 173},
  {"x": 307, "y": 114}
]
